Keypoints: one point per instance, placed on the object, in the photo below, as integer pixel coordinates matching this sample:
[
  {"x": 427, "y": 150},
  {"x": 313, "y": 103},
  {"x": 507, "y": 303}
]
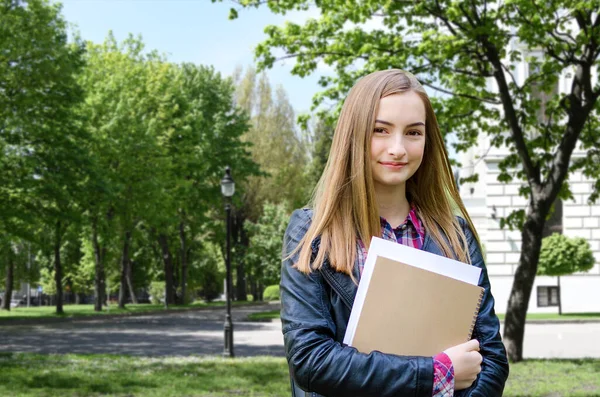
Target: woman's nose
[{"x": 396, "y": 147}]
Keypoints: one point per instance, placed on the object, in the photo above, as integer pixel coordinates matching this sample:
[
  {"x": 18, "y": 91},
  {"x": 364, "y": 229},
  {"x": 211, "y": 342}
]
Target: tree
[
  {"x": 202, "y": 137},
  {"x": 118, "y": 112},
  {"x": 276, "y": 145},
  {"x": 264, "y": 252},
  {"x": 321, "y": 133},
  {"x": 43, "y": 158},
  {"x": 279, "y": 151},
  {"x": 8, "y": 257},
  {"x": 561, "y": 255},
  {"x": 162, "y": 134},
  {"x": 469, "y": 51}
]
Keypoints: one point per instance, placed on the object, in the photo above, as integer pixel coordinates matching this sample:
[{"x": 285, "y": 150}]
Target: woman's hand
[{"x": 466, "y": 361}]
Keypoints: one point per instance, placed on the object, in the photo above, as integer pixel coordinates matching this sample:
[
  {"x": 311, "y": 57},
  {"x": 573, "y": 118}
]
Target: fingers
[{"x": 473, "y": 344}]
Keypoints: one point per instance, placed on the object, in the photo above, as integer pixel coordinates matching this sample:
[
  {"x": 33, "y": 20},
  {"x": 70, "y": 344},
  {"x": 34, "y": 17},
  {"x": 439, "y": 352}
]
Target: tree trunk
[
  {"x": 124, "y": 270},
  {"x": 559, "y": 299},
  {"x": 58, "y": 276},
  {"x": 99, "y": 278},
  {"x": 130, "y": 282},
  {"x": 261, "y": 289},
  {"x": 516, "y": 312},
  {"x": 253, "y": 290},
  {"x": 8, "y": 288},
  {"x": 176, "y": 278},
  {"x": 168, "y": 261},
  {"x": 183, "y": 261}
]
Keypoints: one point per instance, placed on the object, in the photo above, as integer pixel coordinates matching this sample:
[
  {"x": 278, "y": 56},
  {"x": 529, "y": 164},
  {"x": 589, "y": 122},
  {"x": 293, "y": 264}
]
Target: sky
[{"x": 197, "y": 31}]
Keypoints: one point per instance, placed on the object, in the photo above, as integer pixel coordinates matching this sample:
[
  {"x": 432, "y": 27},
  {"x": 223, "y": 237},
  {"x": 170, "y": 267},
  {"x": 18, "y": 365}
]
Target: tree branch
[
  {"x": 321, "y": 54},
  {"x": 473, "y": 97},
  {"x": 466, "y": 14},
  {"x": 532, "y": 171},
  {"x": 512, "y": 77},
  {"x": 582, "y": 21},
  {"x": 577, "y": 116},
  {"x": 482, "y": 73}
]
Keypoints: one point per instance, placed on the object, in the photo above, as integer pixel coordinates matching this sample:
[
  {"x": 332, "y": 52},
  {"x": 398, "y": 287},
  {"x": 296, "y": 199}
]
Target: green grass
[
  {"x": 264, "y": 316},
  {"x": 70, "y": 311},
  {"x": 555, "y": 316},
  {"x": 28, "y": 375},
  {"x": 577, "y": 378}
]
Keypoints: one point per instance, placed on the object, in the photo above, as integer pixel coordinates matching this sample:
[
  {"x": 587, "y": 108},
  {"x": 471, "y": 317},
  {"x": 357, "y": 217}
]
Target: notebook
[{"x": 412, "y": 309}]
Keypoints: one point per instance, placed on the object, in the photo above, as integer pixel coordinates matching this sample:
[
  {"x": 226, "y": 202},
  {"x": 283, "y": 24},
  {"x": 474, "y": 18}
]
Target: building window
[{"x": 547, "y": 296}]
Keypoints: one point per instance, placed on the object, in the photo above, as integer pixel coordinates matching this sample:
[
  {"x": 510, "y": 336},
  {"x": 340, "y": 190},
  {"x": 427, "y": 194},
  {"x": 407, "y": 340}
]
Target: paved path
[
  {"x": 573, "y": 340},
  {"x": 201, "y": 332},
  {"x": 175, "y": 333}
]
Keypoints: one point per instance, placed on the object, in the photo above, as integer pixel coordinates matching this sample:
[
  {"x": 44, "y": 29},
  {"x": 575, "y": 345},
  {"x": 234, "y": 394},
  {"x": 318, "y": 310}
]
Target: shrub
[
  {"x": 157, "y": 292},
  {"x": 271, "y": 293},
  {"x": 561, "y": 255}
]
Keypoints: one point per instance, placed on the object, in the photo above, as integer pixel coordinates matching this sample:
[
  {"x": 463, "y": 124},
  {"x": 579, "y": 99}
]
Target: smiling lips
[{"x": 394, "y": 165}]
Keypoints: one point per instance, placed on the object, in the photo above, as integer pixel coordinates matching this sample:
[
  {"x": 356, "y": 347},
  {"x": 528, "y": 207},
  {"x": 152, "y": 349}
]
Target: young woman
[{"x": 388, "y": 175}]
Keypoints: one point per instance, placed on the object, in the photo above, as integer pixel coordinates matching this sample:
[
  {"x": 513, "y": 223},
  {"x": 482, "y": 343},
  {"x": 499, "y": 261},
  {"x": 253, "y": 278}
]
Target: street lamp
[{"x": 228, "y": 188}]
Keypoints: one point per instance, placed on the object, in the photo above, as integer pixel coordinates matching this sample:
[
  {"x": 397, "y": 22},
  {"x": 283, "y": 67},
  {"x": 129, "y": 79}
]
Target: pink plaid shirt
[{"x": 411, "y": 233}]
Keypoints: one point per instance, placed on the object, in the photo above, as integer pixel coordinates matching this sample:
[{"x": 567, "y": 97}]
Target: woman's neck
[{"x": 392, "y": 203}]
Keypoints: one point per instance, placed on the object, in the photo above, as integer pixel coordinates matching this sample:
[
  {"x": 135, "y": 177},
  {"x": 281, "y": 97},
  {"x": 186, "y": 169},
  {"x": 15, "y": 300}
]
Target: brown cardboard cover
[{"x": 414, "y": 312}]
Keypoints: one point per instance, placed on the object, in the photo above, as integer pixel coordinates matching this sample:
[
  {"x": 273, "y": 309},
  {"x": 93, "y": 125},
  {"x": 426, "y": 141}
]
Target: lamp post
[{"x": 227, "y": 189}]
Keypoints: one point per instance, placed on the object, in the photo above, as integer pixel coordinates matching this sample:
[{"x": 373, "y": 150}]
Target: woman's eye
[
  {"x": 415, "y": 132},
  {"x": 379, "y": 130}
]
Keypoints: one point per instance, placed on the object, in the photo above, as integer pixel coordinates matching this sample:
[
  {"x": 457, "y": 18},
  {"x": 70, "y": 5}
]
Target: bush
[
  {"x": 157, "y": 292},
  {"x": 271, "y": 293},
  {"x": 191, "y": 294},
  {"x": 561, "y": 255}
]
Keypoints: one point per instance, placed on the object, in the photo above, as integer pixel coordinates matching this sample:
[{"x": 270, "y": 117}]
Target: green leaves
[
  {"x": 43, "y": 158},
  {"x": 266, "y": 242},
  {"x": 496, "y": 65},
  {"x": 274, "y": 145},
  {"x": 562, "y": 255}
]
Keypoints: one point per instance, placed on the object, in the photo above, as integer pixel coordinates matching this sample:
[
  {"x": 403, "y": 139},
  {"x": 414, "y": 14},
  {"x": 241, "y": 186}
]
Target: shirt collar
[{"x": 411, "y": 219}]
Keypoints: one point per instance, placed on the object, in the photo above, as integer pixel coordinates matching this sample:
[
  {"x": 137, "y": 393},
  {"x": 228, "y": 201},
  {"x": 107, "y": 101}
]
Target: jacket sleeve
[
  {"x": 494, "y": 368},
  {"x": 317, "y": 362}
]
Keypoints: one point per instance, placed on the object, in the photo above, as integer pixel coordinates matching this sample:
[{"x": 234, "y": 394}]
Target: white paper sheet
[{"x": 411, "y": 256}]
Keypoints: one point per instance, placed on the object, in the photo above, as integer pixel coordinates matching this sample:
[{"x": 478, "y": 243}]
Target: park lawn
[
  {"x": 70, "y": 311},
  {"x": 28, "y": 375},
  {"x": 561, "y": 317},
  {"x": 264, "y": 316}
]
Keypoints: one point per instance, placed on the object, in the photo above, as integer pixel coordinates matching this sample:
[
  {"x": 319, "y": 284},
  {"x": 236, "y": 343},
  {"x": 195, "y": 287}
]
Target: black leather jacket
[{"x": 315, "y": 309}]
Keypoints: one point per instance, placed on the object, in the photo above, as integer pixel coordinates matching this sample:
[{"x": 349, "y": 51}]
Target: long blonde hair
[{"x": 344, "y": 206}]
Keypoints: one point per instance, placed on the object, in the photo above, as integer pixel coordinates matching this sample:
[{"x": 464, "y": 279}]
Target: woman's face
[{"x": 398, "y": 139}]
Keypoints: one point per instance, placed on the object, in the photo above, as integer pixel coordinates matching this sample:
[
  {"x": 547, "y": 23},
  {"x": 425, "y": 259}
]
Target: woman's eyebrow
[
  {"x": 384, "y": 122},
  {"x": 418, "y": 123}
]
